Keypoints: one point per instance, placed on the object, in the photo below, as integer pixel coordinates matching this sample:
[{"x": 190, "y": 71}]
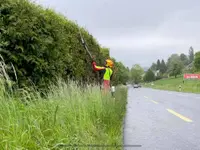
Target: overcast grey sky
[{"x": 137, "y": 31}]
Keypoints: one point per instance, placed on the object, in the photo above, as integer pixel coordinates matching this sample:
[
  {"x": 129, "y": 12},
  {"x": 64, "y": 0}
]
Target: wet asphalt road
[{"x": 162, "y": 120}]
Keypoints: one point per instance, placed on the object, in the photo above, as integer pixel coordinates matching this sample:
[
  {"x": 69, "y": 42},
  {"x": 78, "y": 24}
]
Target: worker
[{"x": 107, "y": 73}]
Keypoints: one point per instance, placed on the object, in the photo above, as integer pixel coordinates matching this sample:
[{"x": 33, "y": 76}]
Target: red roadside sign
[{"x": 191, "y": 76}]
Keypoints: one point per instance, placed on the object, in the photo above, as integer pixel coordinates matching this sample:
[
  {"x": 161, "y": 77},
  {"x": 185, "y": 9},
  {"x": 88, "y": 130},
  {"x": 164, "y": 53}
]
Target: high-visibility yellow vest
[{"x": 107, "y": 74}]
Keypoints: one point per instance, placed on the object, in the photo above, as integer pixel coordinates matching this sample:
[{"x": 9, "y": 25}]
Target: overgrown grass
[
  {"x": 191, "y": 86},
  {"x": 69, "y": 115}
]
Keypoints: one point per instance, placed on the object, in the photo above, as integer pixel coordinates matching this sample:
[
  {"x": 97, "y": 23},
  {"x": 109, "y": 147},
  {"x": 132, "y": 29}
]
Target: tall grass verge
[
  {"x": 68, "y": 115},
  {"x": 173, "y": 84}
]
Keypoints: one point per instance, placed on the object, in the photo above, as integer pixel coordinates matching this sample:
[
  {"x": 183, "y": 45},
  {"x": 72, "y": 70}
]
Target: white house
[{"x": 156, "y": 73}]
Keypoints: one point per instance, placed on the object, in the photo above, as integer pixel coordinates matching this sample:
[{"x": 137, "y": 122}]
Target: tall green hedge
[{"x": 43, "y": 45}]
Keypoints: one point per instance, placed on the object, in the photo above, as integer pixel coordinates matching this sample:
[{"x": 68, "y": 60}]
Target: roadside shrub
[{"x": 43, "y": 45}]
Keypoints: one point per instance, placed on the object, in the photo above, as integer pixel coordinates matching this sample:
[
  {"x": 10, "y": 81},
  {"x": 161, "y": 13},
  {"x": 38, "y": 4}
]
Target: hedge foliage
[{"x": 43, "y": 45}]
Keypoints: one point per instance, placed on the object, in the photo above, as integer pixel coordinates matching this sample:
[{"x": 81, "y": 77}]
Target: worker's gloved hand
[{"x": 93, "y": 63}]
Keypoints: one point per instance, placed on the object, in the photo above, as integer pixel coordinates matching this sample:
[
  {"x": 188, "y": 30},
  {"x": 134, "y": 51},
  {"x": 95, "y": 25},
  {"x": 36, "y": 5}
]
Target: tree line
[
  {"x": 43, "y": 46},
  {"x": 175, "y": 65}
]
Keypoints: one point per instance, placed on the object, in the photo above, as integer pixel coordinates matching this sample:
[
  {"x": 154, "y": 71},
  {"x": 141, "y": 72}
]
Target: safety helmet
[{"x": 109, "y": 63}]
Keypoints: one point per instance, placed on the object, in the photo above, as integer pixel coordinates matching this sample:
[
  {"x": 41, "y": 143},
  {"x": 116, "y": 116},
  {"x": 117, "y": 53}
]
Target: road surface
[{"x": 162, "y": 120}]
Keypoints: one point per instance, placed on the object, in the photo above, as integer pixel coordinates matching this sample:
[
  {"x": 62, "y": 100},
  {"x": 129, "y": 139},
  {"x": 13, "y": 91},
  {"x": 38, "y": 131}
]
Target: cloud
[
  {"x": 137, "y": 31},
  {"x": 174, "y": 35}
]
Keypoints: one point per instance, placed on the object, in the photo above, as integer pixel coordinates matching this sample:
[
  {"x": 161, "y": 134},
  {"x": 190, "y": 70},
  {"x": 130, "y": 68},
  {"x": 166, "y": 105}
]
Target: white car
[{"x": 135, "y": 86}]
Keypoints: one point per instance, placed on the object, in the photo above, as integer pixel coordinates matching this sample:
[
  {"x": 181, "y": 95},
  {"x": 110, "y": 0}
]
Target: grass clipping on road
[
  {"x": 69, "y": 115},
  {"x": 172, "y": 84}
]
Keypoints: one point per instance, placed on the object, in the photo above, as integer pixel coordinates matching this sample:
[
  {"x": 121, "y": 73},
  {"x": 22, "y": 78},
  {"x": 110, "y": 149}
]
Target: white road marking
[{"x": 182, "y": 95}]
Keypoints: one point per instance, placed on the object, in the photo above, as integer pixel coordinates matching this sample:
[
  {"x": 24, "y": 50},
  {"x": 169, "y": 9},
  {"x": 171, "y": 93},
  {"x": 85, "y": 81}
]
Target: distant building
[{"x": 156, "y": 73}]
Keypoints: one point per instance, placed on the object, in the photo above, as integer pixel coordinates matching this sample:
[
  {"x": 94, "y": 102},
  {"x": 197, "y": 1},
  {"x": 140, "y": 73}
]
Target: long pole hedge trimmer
[
  {"x": 87, "y": 50},
  {"x": 85, "y": 46}
]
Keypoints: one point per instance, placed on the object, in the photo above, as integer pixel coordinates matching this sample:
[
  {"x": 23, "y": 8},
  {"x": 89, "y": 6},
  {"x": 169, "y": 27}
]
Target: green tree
[
  {"x": 120, "y": 73},
  {"x": 154, "y": 66},
  {"x": 158, "y": 64},
  {"x": 175, "y": 65},
  {"x": 176, "y": 70},
  {"x": 163, "y": 67},
  {"x": 184, "y": 59},
  {"x": 149, "y": 76},
  {"x": 197, "y": 61},
  {"x": 191, "y": 54},
  {"x": 136, "y": 73}
]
